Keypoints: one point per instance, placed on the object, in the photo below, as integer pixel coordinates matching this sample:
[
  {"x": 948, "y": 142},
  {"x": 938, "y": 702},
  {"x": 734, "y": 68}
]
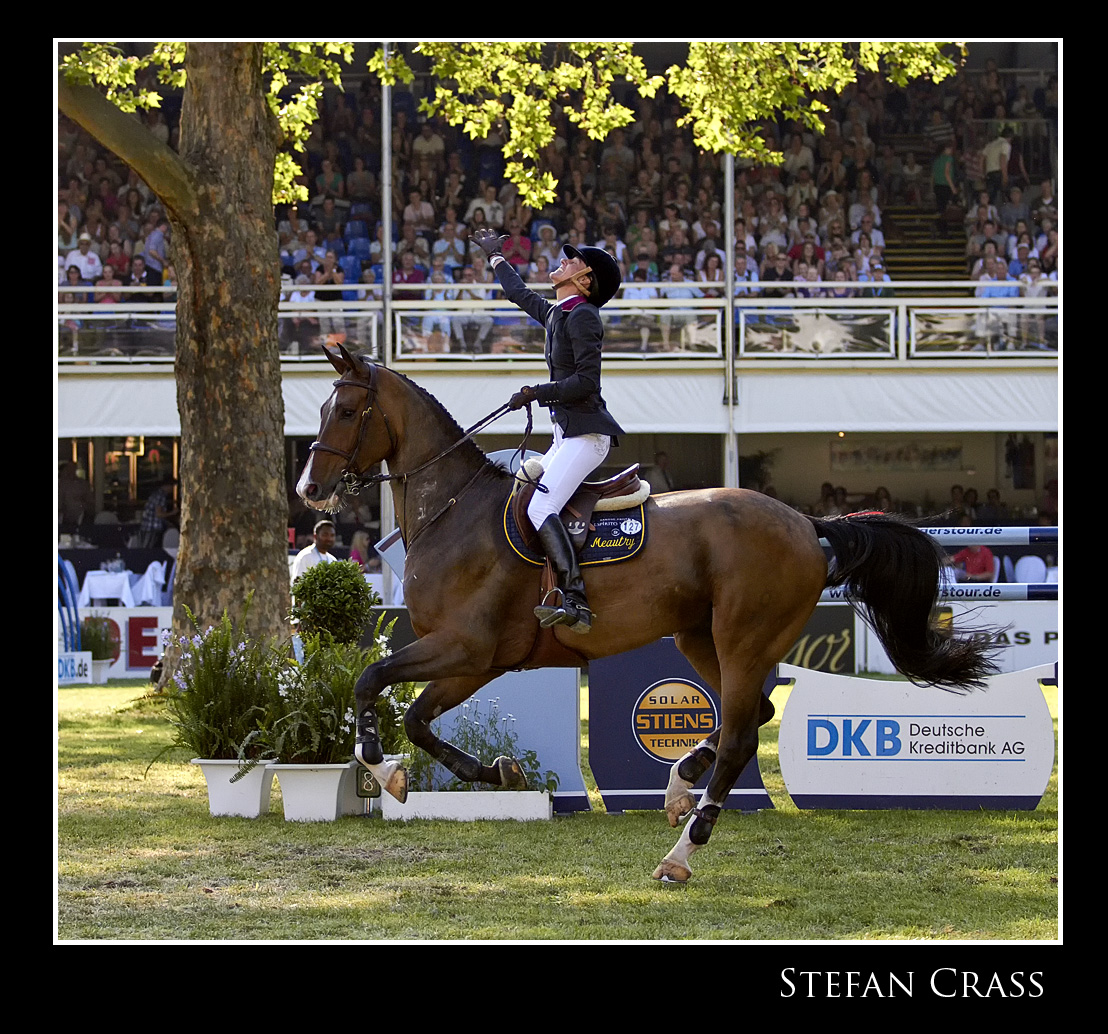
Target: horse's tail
[{"x": 890, "y": 573}]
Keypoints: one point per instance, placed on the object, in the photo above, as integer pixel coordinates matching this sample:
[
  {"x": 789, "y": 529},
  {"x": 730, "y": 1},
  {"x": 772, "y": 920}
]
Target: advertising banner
[
  {"x": 74, "y": 667},
  {"x": 849, "y": 742},
  {"x": 648, "y": 708},
  {"x": 139, "y": 632}
]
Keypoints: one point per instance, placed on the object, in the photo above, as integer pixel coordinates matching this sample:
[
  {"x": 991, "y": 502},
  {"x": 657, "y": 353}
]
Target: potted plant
[
  {"x": 220, "y": 697},
  {"x": 311, "y": 731},
  {"x": 311, "y": 734},
  {"x": 100, "y": 636},
  {"x": 435, "y": 793}
]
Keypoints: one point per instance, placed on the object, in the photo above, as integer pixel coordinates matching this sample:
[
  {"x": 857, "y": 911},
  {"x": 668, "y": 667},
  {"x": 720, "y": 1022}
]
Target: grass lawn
[{"x": 140, "y": 858}]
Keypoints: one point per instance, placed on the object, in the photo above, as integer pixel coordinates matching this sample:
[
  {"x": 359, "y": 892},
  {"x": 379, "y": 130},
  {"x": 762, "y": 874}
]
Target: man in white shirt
[
  {"x": 85, "y": 259},
  {"x": 323, "y": 540}
]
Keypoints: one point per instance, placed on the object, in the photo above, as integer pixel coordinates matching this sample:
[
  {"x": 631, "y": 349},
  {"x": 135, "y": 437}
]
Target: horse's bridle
[{"x": 353, "y": 480}]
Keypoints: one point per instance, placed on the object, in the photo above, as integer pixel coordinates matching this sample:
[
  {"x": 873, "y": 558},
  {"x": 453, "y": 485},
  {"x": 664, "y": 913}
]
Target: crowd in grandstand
[{"x": 646, "y": 194}]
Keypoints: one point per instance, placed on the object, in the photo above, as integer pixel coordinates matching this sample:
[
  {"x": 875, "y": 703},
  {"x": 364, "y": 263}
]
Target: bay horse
[{"x": 731, "y": 574}]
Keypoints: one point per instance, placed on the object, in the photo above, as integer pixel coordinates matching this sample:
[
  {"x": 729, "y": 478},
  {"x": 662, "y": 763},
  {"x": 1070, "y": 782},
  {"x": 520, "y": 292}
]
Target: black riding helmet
[{"x": 606, "y": 276}]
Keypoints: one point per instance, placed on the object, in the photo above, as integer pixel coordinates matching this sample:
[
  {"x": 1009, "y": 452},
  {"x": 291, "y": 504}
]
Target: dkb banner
[
  {"x": 647, "y": 708},
  {"x": 867, "y": 743}
]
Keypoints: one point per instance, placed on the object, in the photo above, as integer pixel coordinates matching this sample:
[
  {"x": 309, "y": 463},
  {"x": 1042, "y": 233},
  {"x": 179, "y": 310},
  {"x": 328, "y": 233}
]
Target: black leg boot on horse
[{"x": 573, "y": 611}]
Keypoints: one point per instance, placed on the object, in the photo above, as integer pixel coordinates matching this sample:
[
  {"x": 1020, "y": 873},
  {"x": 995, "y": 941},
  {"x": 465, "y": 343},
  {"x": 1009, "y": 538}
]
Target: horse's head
[{"x": 353, "y": 434}]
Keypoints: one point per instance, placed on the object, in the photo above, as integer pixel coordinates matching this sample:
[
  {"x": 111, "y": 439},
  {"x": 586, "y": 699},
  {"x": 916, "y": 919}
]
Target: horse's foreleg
[
  {"x": 436, "y": 699},
  {"x": 420, "y": 660}
]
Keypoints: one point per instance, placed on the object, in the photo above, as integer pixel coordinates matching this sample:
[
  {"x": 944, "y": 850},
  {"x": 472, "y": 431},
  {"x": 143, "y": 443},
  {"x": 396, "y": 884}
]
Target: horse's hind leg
[
  {"x": 700, "y": 651},
  {"x": 736, "y": 743},
  {"x": 439, "y": 697}
]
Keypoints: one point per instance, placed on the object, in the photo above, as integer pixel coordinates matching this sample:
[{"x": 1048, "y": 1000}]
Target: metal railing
[{"x": 765, "y": 326}]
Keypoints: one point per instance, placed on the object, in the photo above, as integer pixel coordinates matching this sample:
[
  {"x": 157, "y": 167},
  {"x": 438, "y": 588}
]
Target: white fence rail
[{"x": 758, "y": 324}]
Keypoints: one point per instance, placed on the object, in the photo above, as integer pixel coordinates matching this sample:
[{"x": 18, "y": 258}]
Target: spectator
[
  {"x": 943, "y": 184},
  {"x": 407, "y": 272},
  {"x": 833, "y": 173},
  {"x": 361, "y": 184},
  {"x": 914, "y": 180},
  {"x": 939, "y": 131},
  {"x": 438, "y": 322},
  {"x": 67, "y": 230},
  {"x": 156, "y": 249},
  {"x": 329, "y": 222},
  {"x": 641, "y": 289},
  {"x": 776, "y": 268},
  {"x": 139, "y": 277},
  {"x": 992, "y": 513},
  {"x": 996, "y": 153},
  {"x": 108, "y": 279},
  {"x": 85, "y": 259},
  {"x": 491, "y": 209},
  {"x": 517, "y": 249},
  {"x": 471, "y": 318},
  {"x": 330, "y": 182},
  {"x": 419, "y": 213},
  {"x": 877, "y": 275},
  {"x": 974, "y": 563},
  {"x": 156, "y": 513},
  {"x": 712, "y": 273},
  {"x": 319, "y": 552},
  {"x": 872, "y": 231},
  {"x": 838, "y": 288},
  {"x": 1014, "y": 210},
  {"x": 678, "y": 286},
  {"x": 451, "y": 248},
  {"x": 428, "y": 147},
  {"x": 411, "y": 243}
]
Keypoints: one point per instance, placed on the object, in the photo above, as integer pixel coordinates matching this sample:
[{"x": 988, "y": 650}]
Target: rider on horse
[{"x": 584, "y": 431}]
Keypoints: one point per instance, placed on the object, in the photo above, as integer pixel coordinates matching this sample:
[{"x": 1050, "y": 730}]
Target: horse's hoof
[
  {"x": 672, "y": 872},
  {"x": 511, "y": 775},
  {"x": 397, "y": 784},
  {"x": 678, "y": 807}
]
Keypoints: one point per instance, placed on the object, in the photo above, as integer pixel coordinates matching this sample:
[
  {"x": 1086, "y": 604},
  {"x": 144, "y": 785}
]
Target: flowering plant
[
  {"x": 486, "y": 736},
  {"x": 224, "y": 688}
]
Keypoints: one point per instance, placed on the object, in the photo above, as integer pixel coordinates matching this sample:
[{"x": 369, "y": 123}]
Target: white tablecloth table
[{"x": 107, "y": 585}]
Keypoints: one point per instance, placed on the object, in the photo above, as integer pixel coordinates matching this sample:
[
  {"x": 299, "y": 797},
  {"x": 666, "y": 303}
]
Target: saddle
[
  {"x": 621, "y": 492},
  {"x": 625, "y": 491}
]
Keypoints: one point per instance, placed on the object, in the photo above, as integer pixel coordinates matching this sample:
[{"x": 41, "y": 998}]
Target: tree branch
[{"x": 122, "y": 134}]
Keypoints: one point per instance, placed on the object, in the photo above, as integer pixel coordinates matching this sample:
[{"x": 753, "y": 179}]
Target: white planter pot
[
  {"x": 100, "y": 671},
  {"x": 319, "y": 793},
  {"x": 468, "y": 805},
  {"x": 247, "y": 798}
]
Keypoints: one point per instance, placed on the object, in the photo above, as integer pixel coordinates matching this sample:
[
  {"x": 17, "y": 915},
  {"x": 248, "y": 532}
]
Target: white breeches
[{"x": 566, "y": 464}]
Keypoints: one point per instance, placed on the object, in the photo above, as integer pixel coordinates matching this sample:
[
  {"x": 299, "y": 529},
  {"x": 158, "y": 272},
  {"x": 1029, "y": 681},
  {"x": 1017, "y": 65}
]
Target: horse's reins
[{"x": 354, "y": 481}]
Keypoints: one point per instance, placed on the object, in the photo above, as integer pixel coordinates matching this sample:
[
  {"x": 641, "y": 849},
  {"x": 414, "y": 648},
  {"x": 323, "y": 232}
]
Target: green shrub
[
  {"x": 314, "y": 719},
  {"x": 333, "y": 601}
]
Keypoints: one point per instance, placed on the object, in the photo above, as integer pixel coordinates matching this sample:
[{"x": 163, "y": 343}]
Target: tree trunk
[
  {"x": 218, "y": 195},
  {"x": 234, "y": 506}
]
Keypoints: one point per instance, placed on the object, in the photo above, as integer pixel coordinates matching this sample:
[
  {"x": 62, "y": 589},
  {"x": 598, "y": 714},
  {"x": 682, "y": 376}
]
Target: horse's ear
[
  {"x": 341, "y": 360},
  {"x": 354, "y": 364}
]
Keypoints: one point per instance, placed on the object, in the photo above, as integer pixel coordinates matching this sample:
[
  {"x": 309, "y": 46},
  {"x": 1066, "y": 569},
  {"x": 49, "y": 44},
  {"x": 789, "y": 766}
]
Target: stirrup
[{"x": 576, "y": 616}]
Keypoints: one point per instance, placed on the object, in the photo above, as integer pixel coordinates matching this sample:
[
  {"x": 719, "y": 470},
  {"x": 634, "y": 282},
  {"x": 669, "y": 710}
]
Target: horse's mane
[{"x": 449, "y": 425}]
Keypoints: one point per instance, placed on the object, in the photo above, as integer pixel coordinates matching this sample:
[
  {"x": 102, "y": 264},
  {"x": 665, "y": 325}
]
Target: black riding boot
[{"x": 574, "y": 608}]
